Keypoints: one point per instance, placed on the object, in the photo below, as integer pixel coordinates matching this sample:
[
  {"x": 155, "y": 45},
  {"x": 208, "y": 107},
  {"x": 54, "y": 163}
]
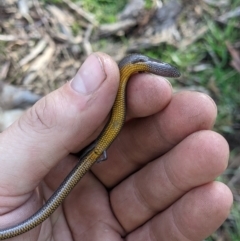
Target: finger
[
  {"x": 60, "y": 123},
  {"x": 144, "y": 139},
  {"x": 197, "y": 160},
  {"x": 147, "y": 94},
  {"x": 194, "y": 217}
]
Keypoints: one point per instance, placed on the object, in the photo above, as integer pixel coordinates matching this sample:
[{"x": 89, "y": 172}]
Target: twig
[
  {"x": 90, "y": 18},
  {"x": 86, "y": 43}
]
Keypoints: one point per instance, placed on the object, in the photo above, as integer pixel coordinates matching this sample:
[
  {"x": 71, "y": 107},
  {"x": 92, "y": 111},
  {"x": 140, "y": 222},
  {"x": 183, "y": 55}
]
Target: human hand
[{"x": 158, "y": 180}]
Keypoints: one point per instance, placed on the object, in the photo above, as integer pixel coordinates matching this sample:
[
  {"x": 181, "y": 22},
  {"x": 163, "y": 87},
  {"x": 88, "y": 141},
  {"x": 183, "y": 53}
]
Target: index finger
[{"x": 144, "y": 139}]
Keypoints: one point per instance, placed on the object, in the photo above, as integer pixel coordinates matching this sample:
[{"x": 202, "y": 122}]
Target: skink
[{"x": 129, "y": 65}]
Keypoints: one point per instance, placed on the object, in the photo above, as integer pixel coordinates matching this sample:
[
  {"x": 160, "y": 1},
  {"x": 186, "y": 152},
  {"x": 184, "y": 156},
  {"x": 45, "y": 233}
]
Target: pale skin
[{"x": 157, "y": 183}]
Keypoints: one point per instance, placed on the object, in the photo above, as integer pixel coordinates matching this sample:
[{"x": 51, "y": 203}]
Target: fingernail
[{"x": 90, "y": 75}]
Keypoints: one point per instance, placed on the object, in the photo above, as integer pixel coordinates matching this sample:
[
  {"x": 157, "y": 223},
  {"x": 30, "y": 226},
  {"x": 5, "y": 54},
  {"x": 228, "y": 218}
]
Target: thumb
[{"x": 62, "y": 122}]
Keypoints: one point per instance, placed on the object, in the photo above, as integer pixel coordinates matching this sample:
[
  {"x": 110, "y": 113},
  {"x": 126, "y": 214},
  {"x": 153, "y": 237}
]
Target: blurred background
[{"x": 43, "y": 43}]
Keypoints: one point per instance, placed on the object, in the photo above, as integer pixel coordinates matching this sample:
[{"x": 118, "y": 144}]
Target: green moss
[
  {"x": 148, "y": 4},
  {"x": 104, "y": 10}
]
